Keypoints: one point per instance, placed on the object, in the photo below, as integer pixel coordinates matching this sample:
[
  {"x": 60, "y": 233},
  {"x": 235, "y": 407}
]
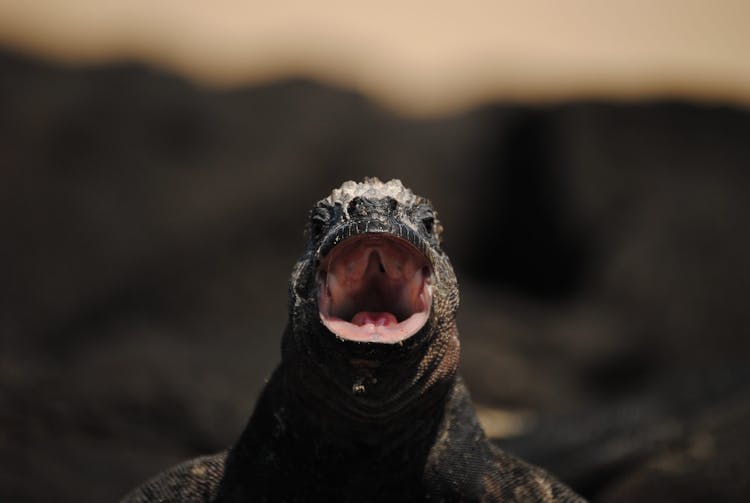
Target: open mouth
[{"x": 374, "y": 288}]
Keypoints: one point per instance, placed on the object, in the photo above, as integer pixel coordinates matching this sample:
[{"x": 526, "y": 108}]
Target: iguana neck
[
  {"x": 319, "y": 430},
  {"x": 355, "y": 383}
]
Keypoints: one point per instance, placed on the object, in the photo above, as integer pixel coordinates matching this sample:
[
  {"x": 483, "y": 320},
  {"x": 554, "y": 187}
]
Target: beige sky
[{"x": 420, "y": 57}]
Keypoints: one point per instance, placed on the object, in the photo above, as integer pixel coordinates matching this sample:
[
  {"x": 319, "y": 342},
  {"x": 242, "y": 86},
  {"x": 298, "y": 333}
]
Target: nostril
[
  {"x": 371, "y": 208},
  {"x": 356, "y": 206}
]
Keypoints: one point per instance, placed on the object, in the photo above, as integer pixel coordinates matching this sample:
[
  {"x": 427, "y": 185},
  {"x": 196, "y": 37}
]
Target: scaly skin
[{"x": 341, "y": 420}]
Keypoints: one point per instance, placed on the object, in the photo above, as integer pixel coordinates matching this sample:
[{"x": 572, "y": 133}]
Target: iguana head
[
  {"x": 373, "y": 270},
  {"x": 372, "y": 303}
]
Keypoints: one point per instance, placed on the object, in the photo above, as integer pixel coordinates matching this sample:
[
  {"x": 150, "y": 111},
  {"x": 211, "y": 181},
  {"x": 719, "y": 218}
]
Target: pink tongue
[{"x": 363, "y": 318}]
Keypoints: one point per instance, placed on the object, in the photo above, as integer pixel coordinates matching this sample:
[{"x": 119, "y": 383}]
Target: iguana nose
[{"x": 367, "y": 207}]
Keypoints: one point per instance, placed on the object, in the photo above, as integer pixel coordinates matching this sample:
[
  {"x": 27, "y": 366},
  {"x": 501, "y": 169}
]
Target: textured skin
[{"x": 348, "y": 421}]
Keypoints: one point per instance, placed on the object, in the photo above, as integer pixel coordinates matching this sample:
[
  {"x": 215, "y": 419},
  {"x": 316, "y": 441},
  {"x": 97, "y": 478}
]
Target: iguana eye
[
  {"x": 426, "y": 217},
  {"x": 319, "y": 220},
  {"x": 429, "y": 223}
]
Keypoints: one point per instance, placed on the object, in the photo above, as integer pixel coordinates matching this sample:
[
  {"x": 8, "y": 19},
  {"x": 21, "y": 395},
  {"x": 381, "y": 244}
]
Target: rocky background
[{"x": 148, "y": 227}]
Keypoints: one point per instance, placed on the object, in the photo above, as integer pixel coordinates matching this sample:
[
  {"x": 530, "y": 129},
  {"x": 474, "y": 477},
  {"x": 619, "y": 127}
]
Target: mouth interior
[{"x": 374, "y": 288}]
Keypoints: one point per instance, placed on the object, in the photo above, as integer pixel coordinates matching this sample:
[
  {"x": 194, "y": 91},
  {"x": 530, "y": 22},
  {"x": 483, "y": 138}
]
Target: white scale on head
[{"x": 372, "y": 188}]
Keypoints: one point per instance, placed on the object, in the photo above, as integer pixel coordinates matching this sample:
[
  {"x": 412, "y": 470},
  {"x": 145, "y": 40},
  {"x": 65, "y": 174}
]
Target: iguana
[{"x": 366, "y": 404}]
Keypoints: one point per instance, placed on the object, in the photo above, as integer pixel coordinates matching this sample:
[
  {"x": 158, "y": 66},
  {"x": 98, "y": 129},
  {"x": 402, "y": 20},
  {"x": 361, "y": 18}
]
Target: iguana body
[{"x": 366, "y": 404}]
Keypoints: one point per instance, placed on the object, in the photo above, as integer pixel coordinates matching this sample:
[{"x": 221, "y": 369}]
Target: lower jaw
[{"x": 392, "y": 333}]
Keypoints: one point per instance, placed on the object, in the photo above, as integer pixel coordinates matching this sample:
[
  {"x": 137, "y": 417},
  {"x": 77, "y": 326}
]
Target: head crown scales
[{"x": 372, "y": 188}]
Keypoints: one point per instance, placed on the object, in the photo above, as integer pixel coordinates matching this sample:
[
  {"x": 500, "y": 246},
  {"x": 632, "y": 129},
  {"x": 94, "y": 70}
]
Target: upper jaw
[
  {"x": 374, "y": 286},
  {"x": 384, "y": 226}
]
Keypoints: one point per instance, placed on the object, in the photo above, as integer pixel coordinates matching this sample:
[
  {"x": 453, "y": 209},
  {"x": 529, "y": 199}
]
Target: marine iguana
[{"x": 366, "y": 404}]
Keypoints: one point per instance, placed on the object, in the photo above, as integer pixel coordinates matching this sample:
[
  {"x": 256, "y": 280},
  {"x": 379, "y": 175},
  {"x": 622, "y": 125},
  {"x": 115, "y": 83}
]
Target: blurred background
[{"x": 589, "y": 163}]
